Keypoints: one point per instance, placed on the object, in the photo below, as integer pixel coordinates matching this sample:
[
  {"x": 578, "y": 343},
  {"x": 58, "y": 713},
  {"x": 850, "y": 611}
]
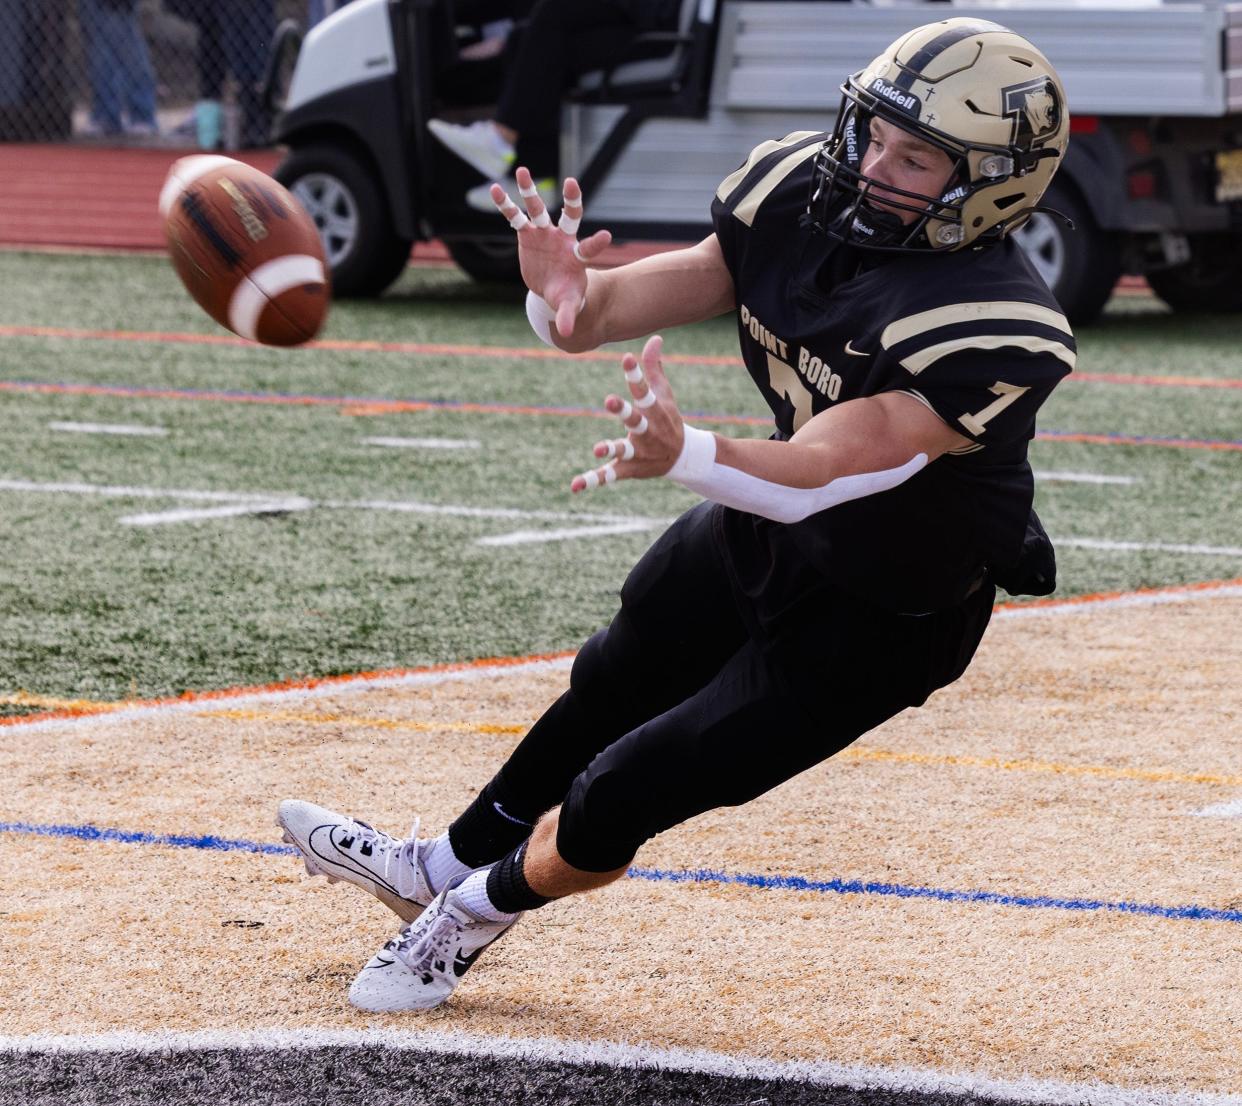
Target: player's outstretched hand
[
  {"x": 554, "y": 263},
  {"x": 654, "y": 429}
]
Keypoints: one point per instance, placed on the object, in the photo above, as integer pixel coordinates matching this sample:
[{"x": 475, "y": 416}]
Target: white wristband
[
  {"x": 541, "y": 315},
  {"x": 697, "y": 469},
  {"x": 698, "y": 455}
]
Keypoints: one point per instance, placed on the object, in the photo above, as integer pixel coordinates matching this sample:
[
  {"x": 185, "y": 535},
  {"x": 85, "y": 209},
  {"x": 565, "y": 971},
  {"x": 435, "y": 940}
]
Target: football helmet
[{"x": 977, "y": 91}]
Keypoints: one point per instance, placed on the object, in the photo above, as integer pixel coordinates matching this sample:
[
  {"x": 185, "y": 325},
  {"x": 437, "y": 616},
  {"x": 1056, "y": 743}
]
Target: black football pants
[{"x": 676, "y": 708}]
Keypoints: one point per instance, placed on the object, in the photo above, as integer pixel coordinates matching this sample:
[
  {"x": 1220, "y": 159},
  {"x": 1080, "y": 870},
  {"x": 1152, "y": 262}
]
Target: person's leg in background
[
  {"x": 96, "y": 21},
  {"x": 137, "y": 78},
  {"x": 247, "y": 28}
]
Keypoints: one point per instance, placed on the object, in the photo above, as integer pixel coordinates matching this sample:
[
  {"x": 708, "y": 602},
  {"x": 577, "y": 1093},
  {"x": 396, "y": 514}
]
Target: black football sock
[
  {"x": 491, "y": 826},
  {"x": 507, "y": 888}
]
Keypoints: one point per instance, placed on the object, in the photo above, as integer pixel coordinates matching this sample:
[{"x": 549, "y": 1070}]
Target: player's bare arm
[
  {"x": 583, "y": 308},
  {"x": 891, "y": 433}
]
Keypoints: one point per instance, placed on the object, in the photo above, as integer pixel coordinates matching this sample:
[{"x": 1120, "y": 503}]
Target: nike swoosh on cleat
[
  {"x": 338, "y": 858},
  {"x": 462, "y": 964},
  {"x": 849, "y": 348}
]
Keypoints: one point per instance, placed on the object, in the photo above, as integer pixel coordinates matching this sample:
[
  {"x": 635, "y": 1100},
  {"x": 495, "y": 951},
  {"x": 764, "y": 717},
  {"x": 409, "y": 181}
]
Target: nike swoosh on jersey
[{"x": 849, "y": 348}]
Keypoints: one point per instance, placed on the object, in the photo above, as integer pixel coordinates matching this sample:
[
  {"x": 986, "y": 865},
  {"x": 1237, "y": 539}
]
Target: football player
[{"x": 836, "y": 573}]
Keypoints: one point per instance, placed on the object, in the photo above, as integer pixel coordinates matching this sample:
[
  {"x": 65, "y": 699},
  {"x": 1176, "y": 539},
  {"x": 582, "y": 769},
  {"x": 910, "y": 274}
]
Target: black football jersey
[{"x": 975, "y": 335}]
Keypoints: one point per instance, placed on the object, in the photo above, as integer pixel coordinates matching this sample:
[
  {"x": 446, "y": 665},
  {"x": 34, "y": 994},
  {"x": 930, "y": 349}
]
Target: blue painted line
[
  {"x": 129, "y": 837},
  {"x": 701, "y": 875}
]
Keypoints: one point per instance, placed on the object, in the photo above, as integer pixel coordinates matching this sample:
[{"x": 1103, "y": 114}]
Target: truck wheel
[
  {"x": 487, "y": 259},
  {"x": 1210, "y": 281},
  {"x": 363, "y": 251},
  {"x": 1081, "y": 265}
]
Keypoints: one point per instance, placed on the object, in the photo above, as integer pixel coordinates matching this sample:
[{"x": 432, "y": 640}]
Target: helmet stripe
[{"x": 913, "y": 70}]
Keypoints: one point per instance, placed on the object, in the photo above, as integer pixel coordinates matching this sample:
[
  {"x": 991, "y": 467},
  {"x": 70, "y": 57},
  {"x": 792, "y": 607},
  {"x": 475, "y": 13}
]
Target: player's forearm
[{"x": 654, "y": 293}]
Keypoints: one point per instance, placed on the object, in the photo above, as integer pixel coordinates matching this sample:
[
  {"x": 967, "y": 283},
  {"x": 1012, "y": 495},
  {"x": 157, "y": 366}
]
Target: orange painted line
[
  {"x": 311, "y": 682},
  {"x": 457, "y": 349},
  {"x": 1137, "y": 593},
  {"x": 304, "y": 683}
]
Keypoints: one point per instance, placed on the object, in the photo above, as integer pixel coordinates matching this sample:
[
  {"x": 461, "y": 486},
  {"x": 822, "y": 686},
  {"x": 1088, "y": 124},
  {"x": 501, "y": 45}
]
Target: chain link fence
[{"x": 178, "y": 73}]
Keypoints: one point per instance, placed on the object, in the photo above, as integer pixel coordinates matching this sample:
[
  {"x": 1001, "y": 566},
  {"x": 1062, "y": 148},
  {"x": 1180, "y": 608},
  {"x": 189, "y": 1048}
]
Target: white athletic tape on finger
[
  {"x": 543, "y": 219},
  {"x": 627, "y": 449},
  {"x": 645, "y": 400},
  {"x": 578, "y": 252},
  {"x": 634, "y": 375},
  {"x": 517, "y": 218},
  {"x": 569, "y": 224},
  {"x": 641, "y": 428},
  {"x": 626, "y": 410},
  {"x": 610, "y": 449},
  {"x": 527, "y": 193},
  {"x": 592, "y": 478}
]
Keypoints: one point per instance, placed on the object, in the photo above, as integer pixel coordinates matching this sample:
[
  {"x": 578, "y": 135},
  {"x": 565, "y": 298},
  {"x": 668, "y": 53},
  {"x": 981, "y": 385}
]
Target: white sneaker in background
[
  {"x": 343, "y": 848},
  {"x": 420, "y": 967},
  {"x": 479, "y": 145},
  {"x": 480, "y": 198}
]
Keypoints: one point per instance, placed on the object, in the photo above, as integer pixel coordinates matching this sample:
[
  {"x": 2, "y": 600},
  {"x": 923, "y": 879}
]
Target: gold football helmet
[{"x": 977, "y": 91}]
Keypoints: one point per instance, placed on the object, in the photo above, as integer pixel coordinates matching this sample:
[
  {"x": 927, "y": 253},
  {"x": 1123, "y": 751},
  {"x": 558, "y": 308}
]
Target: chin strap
[{"x": 697, "y": 469}]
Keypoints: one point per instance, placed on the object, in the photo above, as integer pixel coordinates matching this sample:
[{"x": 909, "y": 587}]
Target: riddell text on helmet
[{"x": 905, "y": 100}]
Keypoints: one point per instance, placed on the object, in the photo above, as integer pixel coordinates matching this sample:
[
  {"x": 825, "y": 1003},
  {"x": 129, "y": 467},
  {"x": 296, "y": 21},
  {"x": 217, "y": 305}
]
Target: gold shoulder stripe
[
  {"x": 970, "y": 447},
  {"x": 969, "y": 313},
  {"x": 757, "y": 155},
  {"x": 917, "y": 362}
]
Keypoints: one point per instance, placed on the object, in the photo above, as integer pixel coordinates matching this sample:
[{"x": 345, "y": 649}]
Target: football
[{"x": 245, "y": 249}]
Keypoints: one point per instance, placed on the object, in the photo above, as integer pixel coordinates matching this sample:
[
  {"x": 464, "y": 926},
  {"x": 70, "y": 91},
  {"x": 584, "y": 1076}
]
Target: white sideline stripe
[
  {"x": 1232, "y": 809},
  {"x": 267, "y": 282},
  {"x": 325, "y": 690},
  {"x": 1083, "y": 478},
  {"x": 184, "y": 172},
  {"x": 108, "y": 428},
  {"x": 1158, "y": 546},
  {"x": 531, "y": 537},
  {"x": 495, "y": 671},
  {"x": 860, "y": 1077},
  {"x": 1144, "y": 599},
  {"x": 424, "y": 443},
  {"x": 198, "y": 514}
]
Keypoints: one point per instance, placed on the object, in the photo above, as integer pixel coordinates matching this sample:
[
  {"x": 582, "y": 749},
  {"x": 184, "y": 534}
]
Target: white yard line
[
  {"x": 424, "y": 443},
  {"x": 1154, "y": 546},
  {"x": 1231, "y": 809},
  {"x": 551, "y": 1050},
  {"x": 109, "y": 428},
  {"x": 1084, "y": 478},
  {"x": 232, "y": 510}
]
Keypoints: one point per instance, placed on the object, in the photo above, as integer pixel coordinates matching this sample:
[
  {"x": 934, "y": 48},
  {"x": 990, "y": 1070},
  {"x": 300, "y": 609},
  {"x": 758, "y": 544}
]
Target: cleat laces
[
  {"x": 398, "y": 859},
  {"x": 421, "y": 950}
]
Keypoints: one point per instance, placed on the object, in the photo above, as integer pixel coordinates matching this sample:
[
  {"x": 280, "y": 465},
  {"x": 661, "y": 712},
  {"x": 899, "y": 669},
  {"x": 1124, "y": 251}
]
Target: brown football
[{"x": 245, "y": 249}]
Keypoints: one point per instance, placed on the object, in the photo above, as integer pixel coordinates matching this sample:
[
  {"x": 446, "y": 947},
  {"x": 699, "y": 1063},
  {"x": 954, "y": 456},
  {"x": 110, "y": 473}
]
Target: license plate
[{"x": 1228, "y": 176}]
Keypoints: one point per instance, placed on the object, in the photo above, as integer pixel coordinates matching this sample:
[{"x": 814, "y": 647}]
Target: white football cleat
[
  {"x": 478, "y": 145},
  {"x": 344, "y": 848},
  {"x": 420, "y": 967},
  {"x": 480, "y": 197}
]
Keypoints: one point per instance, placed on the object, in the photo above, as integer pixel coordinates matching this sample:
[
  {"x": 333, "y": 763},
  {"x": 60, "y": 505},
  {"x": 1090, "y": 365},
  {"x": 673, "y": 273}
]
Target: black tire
[
  {"x": 341, "y": 195},
  {"x": 1210, "y": 281},
  {"x": 490, "y": 260},
  {"x": 1081, "y": 265}
]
